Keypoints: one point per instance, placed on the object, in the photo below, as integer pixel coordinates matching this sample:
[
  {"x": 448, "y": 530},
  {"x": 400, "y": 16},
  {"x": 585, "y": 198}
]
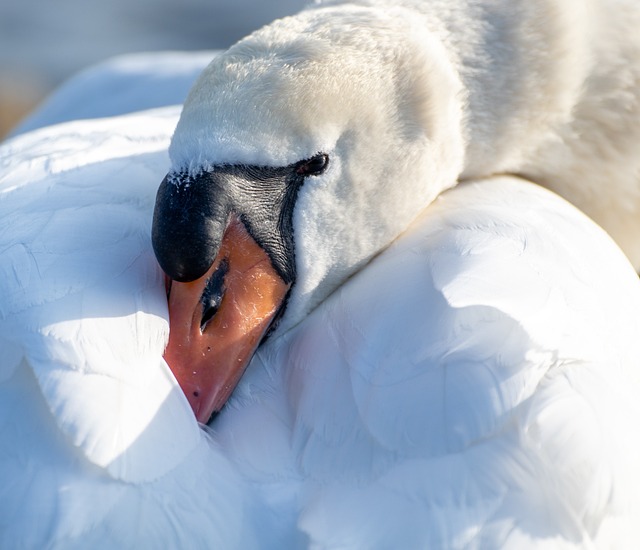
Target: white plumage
[
  {"x": 472, "y": 384},
  {"x": 98, "y": 446},
  {"x": 475, "y": 385}
]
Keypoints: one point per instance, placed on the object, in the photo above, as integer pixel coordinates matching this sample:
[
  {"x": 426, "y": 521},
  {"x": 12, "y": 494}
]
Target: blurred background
[{"x": 43, "y": 43}]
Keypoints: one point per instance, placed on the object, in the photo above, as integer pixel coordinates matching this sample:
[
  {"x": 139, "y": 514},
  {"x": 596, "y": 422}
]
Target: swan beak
[{"x": 218, "y": 321}]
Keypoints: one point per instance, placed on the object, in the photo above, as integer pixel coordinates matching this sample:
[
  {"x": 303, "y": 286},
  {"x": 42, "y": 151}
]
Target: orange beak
[{"x": 218, "y": 321}]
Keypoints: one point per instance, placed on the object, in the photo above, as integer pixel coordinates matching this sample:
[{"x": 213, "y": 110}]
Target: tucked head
[{"x": 301, "y": 152}]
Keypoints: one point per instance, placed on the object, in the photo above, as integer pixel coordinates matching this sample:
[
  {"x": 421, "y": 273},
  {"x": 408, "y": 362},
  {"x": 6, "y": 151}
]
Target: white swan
[
  {"x": 486, "y": 397},
  {"x": 473, "y": 384}
]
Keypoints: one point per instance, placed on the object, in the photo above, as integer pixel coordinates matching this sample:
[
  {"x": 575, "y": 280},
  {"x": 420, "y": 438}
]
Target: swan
[
  {"x": 307, "y": 147},
  {"x": 444, "y": 365},
  {"x": 486, "y": 400}
]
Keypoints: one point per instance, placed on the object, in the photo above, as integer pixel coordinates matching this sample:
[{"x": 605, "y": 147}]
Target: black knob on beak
[{"x": 188, "y": 224}]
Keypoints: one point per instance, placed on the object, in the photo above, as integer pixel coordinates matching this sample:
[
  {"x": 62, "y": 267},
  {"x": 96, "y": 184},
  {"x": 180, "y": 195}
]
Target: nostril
[
  {"x": 208, "y": 312},
  {"x": 213, "y": 293}
]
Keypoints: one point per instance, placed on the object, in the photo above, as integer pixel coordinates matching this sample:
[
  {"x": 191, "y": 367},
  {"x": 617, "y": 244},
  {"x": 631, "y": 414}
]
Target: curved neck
[{"x": 523, "y": 65}]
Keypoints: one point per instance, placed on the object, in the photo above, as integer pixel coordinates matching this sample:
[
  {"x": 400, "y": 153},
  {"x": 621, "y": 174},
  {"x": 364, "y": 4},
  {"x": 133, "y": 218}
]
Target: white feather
[{"x": 473, "y": 386}]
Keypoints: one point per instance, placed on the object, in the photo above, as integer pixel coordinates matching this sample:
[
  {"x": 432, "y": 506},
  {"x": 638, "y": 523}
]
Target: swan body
[
  {"x": 486, "y": 396},
  {"x": 475, "y": 394}
]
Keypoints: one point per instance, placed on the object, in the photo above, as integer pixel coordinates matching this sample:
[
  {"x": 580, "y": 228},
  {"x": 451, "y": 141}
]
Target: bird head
[{"x": 301, "y": 152}]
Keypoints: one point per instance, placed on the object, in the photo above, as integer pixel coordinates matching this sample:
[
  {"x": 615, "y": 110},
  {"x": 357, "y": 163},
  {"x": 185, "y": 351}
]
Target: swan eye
[{"x": 313, "y": 166}]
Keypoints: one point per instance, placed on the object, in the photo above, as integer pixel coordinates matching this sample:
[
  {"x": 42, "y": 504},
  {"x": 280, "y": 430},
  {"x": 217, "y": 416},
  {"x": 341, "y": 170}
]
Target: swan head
[{"x": 301, "y": 152}]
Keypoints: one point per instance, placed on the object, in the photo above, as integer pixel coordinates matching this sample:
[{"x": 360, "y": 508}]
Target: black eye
[{"x": 313, "y": 166}]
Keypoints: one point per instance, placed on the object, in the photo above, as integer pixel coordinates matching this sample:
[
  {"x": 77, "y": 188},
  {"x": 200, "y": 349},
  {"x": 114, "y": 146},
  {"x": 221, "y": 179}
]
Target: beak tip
[{"x": 218, "y": 321}]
